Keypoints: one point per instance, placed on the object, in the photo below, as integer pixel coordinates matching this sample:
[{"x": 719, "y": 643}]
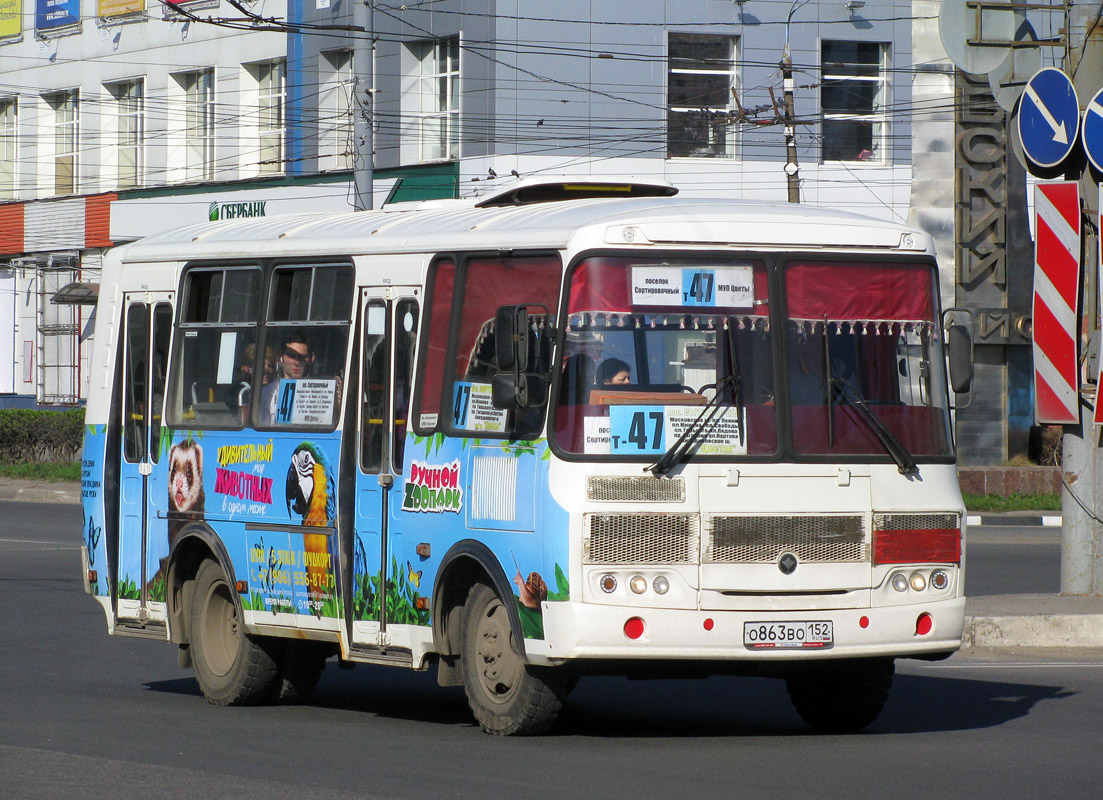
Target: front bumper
[{"x": 583, "y": 630}]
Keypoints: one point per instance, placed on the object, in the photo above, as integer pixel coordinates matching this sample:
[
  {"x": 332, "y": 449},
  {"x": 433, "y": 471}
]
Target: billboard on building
[
  {"x": 54, "y": 16},
  {"x": 118, "y": 8},
  {"x": 11, "y": 19}
]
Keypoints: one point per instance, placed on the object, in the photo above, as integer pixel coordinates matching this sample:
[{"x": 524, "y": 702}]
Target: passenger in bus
[
  {"x": 245, "y": 377},
  {"x": 613, "y": 371},
  {"x": 296, "y": 360}
]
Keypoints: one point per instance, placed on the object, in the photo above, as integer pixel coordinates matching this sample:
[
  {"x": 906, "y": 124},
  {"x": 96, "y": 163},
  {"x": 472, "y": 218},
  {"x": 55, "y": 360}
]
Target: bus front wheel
[
  {"x": 232, "y": 667},
  {"x": 841, "y": 696},
  {"x": 507, "y": 696}
]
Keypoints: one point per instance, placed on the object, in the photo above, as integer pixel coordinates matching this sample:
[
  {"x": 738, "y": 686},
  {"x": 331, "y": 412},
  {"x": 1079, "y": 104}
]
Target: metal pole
[
  {"x": 363, "y": 17},
  {"x": 1082, "y": 457}
]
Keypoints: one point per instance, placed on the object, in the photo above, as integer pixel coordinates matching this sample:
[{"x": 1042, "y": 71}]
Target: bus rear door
[
  {"x": 389, "y": 316},
  {"x": 143, "y": 538}
]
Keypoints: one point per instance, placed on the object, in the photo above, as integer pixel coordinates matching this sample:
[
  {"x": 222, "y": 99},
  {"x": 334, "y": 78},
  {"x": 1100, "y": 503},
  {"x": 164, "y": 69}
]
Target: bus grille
[
  {"x": 915, "y": 522},
  {"x": 756, "y": 540},
  {"x": 636, "y": 490},
  {"x": 640, "y": 539}
]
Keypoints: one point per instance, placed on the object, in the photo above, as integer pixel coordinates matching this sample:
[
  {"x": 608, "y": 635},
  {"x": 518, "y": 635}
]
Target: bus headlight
[
  {"x": 661, "y": 585},
  {"x": 919, "y": 581},
  {"x": 940, "y": 579},
  {"x": 900, "y": 582},
  {"x": 638, "y": 584},
  {"x": 608, "y": 583}
]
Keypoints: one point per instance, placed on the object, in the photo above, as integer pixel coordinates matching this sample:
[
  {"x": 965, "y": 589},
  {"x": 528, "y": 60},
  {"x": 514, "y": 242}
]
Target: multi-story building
[{"x": 122, "y": 117}]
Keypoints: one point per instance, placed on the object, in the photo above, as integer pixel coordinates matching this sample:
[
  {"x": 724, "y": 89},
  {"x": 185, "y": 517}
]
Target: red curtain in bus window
[
  {"x": 603, "y": 284},
  {"x": 436, "y": 345},
  {"x": 493, "y": 282},
  {"x": 860, "y": 291}
]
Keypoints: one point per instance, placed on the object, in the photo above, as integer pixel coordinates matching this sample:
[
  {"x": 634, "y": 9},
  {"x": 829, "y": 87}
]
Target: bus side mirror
[
  {"x": 958, "y": 324},
  {"x": 511, "y": 338},
  {"x": 518, "y": 391}
]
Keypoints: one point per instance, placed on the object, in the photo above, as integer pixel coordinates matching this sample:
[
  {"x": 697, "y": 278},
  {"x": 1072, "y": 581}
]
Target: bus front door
[
  {"x": 143, "y": 539},
  {"x": 389, "y": 322}
]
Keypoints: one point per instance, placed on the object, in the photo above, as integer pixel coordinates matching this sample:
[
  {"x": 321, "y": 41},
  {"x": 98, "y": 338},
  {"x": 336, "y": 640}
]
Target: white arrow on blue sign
[
  {"x": 1049, "y": 117},
  {"x": 1091, "y": 131}
]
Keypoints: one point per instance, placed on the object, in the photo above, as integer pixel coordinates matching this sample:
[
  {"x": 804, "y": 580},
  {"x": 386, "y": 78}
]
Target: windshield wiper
[
  {"x": 678, "y": 451},
  {"x": 905, "y": 461}
]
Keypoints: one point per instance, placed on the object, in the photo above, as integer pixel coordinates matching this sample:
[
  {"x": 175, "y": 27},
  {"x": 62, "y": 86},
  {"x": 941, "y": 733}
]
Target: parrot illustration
[{"x": 311, "y": 492}]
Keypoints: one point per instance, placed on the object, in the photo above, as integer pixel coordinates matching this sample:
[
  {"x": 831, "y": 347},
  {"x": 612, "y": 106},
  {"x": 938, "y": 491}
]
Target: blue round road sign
[
  {"x": 1049, "y": 117},
  {"x": 1091, "y": 130}
]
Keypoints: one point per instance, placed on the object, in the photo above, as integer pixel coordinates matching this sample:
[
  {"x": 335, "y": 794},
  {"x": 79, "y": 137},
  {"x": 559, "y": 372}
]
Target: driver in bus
[
  {"x": 296, "y": 360},
  {"x": 613, "y": 371}
]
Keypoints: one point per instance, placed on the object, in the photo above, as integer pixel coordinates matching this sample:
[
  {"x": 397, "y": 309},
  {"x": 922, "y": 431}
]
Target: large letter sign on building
[{"x": 1056, "y": 302}]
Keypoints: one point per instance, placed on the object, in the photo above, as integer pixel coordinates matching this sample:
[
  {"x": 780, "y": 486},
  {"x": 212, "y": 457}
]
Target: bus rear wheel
[
  {"x": 507, "y": 696},
  {"x": 841, "y": 696},
  {"x": 232, "y": 667}
]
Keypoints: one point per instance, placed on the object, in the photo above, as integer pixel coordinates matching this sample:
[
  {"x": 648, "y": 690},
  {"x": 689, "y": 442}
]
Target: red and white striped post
[{"x": 1056, "y": 302}]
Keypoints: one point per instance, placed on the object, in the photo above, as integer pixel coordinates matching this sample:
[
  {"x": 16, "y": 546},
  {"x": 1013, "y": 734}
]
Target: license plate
[{"x": 787, "y": 635}]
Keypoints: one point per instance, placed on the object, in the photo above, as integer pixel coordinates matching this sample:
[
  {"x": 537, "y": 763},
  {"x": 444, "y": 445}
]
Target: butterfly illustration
[
  {"x": 93, "y": 539},
  {"x": 414, "y": 575}
]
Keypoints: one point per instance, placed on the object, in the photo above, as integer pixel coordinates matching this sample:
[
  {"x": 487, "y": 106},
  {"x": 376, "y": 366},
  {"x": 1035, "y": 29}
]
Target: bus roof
[{"x": 657, "y": 221}]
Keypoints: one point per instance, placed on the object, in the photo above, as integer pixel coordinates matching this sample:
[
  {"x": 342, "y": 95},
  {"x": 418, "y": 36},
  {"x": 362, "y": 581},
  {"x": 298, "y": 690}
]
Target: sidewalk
[{"x": 1010, "y": 621}]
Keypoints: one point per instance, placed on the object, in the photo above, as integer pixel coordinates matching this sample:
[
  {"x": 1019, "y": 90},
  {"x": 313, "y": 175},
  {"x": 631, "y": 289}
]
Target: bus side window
[
  {"x": 488, "y": 284},
  {"x": 373, "y": 411},
  {"x": 216, "y": 356},
  {"x": 406, "y": 319},
  {"x": 135, "y": 414},
  {"x": 307, "y": 327}
]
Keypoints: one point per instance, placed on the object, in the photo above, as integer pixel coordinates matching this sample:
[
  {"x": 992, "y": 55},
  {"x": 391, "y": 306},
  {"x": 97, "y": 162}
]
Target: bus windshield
[
  {"x": 650, "y": 342},
  {"x": 656, "y": 346}
]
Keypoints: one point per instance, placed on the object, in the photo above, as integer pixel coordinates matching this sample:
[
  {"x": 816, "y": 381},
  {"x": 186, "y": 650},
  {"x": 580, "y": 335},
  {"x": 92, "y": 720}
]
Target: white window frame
[
  {"x": 877, "y": 118},
  {"x": 191, "y": 142},
  {"x": 336, "y": 148},
  {"x": 9, "y": 147},
  {"x": 128, "y": 133},
  {"x": 62, "y": 145},
  {"x": 728, "y": 146},
  {"x": 431, "y": 98}
]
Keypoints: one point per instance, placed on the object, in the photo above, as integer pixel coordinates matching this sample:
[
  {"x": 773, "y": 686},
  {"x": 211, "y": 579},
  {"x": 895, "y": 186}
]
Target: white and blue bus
[{"x": 571, "y": 428}]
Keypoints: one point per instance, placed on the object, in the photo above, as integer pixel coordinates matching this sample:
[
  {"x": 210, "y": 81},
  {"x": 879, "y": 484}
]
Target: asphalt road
[{"x": 84, "y": 714}]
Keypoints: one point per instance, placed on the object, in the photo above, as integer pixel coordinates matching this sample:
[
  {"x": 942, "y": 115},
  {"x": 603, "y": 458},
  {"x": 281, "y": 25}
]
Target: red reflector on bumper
[{"x": 920, "y": 546}]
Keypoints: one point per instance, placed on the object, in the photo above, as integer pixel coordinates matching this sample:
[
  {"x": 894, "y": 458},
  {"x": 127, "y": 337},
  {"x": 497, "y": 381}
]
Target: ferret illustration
[{"x": 186, "y": 497}]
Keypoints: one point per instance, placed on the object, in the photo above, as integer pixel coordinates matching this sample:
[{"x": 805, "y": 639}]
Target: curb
[
  {"x": 1015, "y": 520},
  {"x": 1034, "y": 631},
  {"x": 33, "y": 492}
]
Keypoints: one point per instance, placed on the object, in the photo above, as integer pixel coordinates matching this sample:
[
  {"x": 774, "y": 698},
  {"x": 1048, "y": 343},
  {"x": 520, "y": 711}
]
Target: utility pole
[
  {"x": 1082, "y": 457},
  {"x": 363, "y": 18},
  {"x": 792, "y": 170}
]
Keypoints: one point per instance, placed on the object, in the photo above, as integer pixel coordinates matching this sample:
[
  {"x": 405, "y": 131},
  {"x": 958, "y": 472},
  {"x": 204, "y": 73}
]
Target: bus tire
[
  {"x": 841, "y": 696},
  {"x": 232, "y": 667},
  {"x": 300, "y": 668},
  {"x": 507, "y": 696}
]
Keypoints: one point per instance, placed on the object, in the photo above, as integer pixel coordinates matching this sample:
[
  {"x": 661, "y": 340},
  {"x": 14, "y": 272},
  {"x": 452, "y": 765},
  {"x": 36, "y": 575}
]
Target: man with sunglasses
[{"x": 296, "y": 361}]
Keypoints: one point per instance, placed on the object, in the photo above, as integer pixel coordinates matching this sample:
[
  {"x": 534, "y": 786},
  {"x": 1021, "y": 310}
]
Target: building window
[
  {"x": 432, "y": 100},
  {"x": 8, "y": 162},
  {"x": 129, "y": 99},
  {"x": 198, "y": 89},
  {"x": 853, "y": 98},
  {"x": 272, "y": 95},
  {"x": 66, "y": 111},
  {"x": 701, "y": 82},
  {"x": 335, "y": 139}
]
